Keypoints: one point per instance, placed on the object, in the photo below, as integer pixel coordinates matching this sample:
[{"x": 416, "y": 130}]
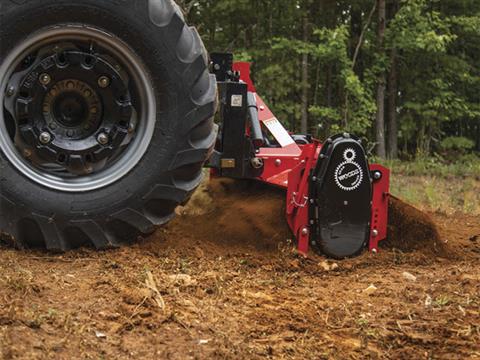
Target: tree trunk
[
  {"x": 392, "y": 107},
  {"x": 477, "y": 140},
  {"x": 329, "y": 85},
  {"x": 304, "y": 120},
  {"x": 380, "y": 119}
]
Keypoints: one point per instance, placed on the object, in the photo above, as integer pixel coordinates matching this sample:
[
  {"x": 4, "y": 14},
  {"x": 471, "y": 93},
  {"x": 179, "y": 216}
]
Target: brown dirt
[
  {"x": 224, "y": 281},
  {"x": 412, "y": 230}
]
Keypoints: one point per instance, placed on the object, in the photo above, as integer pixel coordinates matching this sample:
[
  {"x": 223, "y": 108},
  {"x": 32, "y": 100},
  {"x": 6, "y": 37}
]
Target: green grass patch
[
  {"x": 430, "y": 184},
  {"x": 467, "y": 166}
]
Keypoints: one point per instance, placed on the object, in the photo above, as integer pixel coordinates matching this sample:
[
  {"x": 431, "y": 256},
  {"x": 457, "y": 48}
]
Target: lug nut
[
  {"x": 102, "y": 139},
  {"x": 45, "y": 79},
  {"x": 45, "y": 137},
  {"x": 103, "y": 82}
]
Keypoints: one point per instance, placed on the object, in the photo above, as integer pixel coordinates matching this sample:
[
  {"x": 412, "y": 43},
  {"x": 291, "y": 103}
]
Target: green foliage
[
  {"x": 417, "y": 28},
  {"x": 457, "y": 143}
]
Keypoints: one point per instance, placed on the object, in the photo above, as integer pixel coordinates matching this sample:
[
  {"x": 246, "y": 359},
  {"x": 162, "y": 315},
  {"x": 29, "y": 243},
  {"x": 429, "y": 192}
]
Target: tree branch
[{"x": 362, "y": 35}]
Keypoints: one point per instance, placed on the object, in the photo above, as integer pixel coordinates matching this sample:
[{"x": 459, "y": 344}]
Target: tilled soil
[{"x": 223, "y": 280}]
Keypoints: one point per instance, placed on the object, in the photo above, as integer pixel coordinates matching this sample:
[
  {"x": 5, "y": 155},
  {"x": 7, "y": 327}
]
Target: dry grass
[{"x": 446, "y": 195}]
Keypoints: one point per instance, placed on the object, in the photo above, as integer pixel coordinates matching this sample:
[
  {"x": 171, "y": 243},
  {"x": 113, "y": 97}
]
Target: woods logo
[{"x": 349, "y": 175}]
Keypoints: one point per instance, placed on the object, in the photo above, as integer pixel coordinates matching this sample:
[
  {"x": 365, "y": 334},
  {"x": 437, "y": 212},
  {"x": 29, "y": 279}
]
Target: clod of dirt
[
  {"x": 370, "y": 290},
  {"x": 328, "y": 267},
  {"x": 410, "y": 277},
  {"x": 410, "y": 229}
]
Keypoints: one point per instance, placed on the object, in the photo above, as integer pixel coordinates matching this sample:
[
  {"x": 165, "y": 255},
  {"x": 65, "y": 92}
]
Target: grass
[
  {"x": 432, "y": 184},
  {"x": 467, "y": 166}
]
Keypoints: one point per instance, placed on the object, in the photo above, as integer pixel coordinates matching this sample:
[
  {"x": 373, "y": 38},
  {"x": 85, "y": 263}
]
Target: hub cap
[{"x": 78, "y": 108}]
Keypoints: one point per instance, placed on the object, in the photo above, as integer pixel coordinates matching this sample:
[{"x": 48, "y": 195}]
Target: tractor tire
[{"x": 106, "y": 120}]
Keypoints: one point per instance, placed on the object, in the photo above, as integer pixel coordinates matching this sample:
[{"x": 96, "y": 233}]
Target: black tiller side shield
[{"x": 342, "y": 189}]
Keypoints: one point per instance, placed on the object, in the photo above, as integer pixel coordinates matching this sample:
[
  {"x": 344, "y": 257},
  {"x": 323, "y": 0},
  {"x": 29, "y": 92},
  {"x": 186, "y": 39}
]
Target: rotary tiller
[{"x": 337, "y": 203}]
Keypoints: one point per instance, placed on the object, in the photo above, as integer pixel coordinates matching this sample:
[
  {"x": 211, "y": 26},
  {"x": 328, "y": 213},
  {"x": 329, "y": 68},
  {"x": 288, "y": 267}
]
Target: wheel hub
[
  {"x": 66, "y": 102},
  {"x": 72, "y": 109},
  {"x": 81, "y": 138}
]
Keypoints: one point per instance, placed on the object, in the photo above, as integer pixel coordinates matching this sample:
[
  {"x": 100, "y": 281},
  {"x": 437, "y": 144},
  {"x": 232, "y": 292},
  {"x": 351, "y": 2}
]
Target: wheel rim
[{"x": 78, "y": 109}]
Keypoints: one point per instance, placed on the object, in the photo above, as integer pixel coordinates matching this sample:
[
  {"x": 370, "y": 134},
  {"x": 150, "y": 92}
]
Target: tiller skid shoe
[{"x": 336, "y": 202}]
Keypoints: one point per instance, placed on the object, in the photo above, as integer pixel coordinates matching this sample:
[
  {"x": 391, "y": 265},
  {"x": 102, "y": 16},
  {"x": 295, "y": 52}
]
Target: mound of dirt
[
  {"x": 229, "y": 216},
  {"x": 410, "y": 229}
]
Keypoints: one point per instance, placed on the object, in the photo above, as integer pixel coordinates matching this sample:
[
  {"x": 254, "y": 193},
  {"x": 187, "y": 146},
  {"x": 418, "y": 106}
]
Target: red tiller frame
[{"x": 289, "y": 167}]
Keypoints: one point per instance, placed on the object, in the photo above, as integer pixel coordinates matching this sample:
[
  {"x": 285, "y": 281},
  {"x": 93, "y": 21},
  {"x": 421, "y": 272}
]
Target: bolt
[
  {"x": 314, "y": 178},
  {"x": 278, "y": 162},
  {"x": 103, "y": 82},
  {"x": 10, "y": 91},
  {"x": 52, "y": 126},
  {"x": 102, "y": 139},
  {"x": 45, "y": 79},
  {"x": 131, "y": 128},
  {"x": 69, "y": 133},
  {"x": 374, "y": 250},
  {"x": 374, "y": 232},
  {"x": 377, "y": 175},
  {"x": 256, "y": 163},
  {"x": 304, "y": 231},
  {"x": 45, "y": 137},
  {"x": 312, "y": 201},
  {"x": 345, "y": 203}
]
